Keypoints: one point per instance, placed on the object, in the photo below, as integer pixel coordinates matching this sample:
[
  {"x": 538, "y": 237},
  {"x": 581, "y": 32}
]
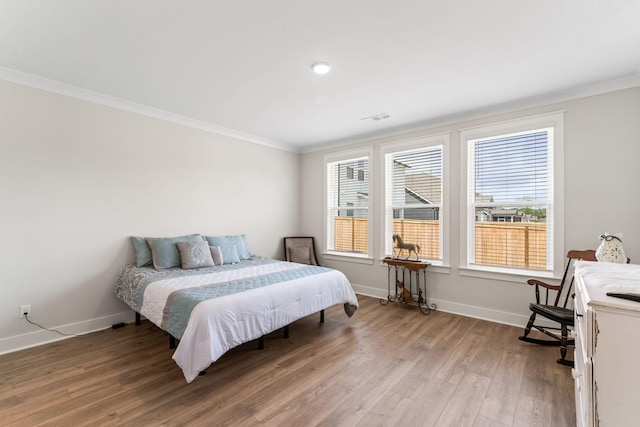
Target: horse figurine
[{"x": 409, "y": 247}]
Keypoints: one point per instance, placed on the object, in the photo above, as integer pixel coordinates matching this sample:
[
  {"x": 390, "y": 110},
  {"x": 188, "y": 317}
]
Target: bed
[{"x": 211, "y": 310}]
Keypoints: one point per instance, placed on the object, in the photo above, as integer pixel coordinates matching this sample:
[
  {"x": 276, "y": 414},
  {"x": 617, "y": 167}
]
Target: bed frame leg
[
  {"x": 137, "y": 319},
  {"x": 286, "y": 331},
  {"x": 172, "y": 341},
  {"x": 321, "y": 316},
  {"x": 261, "y": 343}
]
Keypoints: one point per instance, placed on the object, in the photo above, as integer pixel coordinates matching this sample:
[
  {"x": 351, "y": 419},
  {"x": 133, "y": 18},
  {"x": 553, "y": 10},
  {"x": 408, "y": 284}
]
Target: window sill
[
  {"x": 505, "y": 275},
  {"x": 354, "y": 258},
  {"x": 441, "y": 269}
]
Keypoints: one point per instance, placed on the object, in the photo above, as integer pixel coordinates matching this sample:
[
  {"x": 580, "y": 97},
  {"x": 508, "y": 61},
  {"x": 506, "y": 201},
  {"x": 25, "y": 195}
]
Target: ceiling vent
[{"x": 377, "y": 117}]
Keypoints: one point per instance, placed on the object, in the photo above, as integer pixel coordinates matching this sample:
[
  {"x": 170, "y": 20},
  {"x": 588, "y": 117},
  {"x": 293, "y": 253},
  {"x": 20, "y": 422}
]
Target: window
[
  {"x": 348, "y": 204},
  {"x": 414, "y": 197},
  {"x": 512, "y": 222}
]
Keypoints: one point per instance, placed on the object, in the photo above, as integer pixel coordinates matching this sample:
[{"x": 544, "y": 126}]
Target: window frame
[
  {"x": 344, "y": 156},
  {"x": 442, "y": 140},
  {"x": 555, "y": 253}
]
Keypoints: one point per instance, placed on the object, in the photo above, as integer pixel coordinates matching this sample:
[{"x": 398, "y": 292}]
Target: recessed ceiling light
[{"x": 321, "y": 67}]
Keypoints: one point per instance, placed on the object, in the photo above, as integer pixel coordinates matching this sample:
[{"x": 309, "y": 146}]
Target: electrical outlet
[{"x": 25, "y": 309}]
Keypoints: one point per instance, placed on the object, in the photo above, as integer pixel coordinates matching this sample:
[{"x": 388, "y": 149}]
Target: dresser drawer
[
  {"x": 581, "y": 319},
  {"x": 584, "y": 395},
  {"x": 607, "y": 372}
]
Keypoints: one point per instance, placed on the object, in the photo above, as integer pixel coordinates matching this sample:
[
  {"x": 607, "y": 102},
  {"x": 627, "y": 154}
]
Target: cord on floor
[{"x": 26, "y": 317}]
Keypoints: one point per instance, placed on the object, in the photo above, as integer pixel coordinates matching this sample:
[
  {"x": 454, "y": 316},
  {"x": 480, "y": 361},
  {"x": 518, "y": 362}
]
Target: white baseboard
[
  {"x": 513, "y": 319},
  {"x": 40, "y": 336}
]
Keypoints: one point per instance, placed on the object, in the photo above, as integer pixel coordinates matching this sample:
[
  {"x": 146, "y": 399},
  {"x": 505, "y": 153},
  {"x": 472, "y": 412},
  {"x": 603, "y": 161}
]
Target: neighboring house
[
  {"x": 483, "y": 215},
  {"x": 510, "y": 215},
  {"x": 411, "y": 189},
  {"x": 502, "y": 214},
  {"x": 426, "y": 189},
  {"x": 353, "y": 187}
]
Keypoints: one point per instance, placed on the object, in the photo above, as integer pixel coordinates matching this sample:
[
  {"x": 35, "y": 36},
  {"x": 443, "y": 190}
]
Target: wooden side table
[{"x": 405, "y": 280}]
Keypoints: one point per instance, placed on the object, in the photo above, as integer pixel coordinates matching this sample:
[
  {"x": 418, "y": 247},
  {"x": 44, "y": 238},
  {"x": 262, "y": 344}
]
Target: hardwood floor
[{"x": 386, "y": 366}]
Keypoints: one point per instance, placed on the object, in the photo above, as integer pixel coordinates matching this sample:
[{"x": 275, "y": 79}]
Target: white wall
[
  {"x": 602, "y": 176},
  {"x": 77, "y": 179}
]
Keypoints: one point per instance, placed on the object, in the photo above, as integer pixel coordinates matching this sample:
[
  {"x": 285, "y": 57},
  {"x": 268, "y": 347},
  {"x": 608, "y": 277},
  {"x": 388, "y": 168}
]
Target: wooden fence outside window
[{"x": 505, "y": 244}]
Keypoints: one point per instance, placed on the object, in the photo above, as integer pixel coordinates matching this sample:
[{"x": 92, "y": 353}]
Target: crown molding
[
  {"x": 484, "y": 112},
  {"x": 53, "y": 86}
]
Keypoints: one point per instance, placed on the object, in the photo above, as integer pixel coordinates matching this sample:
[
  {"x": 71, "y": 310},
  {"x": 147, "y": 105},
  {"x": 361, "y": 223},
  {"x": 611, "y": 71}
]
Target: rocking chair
[{"x": 556, "y": 312}]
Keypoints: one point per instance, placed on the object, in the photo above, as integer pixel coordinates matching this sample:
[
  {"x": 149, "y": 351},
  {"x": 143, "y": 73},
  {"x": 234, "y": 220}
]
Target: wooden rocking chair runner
[{"x": 557, "y": 311}]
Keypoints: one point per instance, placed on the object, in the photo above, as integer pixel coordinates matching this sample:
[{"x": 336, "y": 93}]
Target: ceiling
[{"x": 245, "y": 66}]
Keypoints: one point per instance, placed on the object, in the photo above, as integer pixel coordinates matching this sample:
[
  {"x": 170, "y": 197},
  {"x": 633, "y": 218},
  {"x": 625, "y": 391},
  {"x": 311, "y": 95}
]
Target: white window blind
[
  {"x": 413, "y": 201},
  {"x": 348, "y": 206},
  {"x": 510, "y": 200}
]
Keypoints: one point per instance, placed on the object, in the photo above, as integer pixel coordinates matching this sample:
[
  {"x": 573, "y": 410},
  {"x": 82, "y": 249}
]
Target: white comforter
[{"x": 219, "y": 324}]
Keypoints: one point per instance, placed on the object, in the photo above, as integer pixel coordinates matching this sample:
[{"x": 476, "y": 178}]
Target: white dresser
[{"x": 607, "y": 350}]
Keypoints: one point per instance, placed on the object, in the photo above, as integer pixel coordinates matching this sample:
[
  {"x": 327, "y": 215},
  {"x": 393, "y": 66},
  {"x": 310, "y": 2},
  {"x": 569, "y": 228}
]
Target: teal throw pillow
[
  {"x": 143, "y": 251},
  {"x": 164, "y": 250},
  {"x": 240, "y": 242},
  {"x": 229, "y": 254}
]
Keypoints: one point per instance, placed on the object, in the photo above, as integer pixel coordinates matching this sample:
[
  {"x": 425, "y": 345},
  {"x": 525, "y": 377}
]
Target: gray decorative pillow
[
  {"x": 216, "y": 254},
  {"x": 165, "y": 252},
  {"x": 300, "y": 255},
  {"x": 195, "y": 254}
]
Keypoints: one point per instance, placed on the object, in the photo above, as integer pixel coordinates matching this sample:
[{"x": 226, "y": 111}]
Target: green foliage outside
[{"x": 540, "y": 213}]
